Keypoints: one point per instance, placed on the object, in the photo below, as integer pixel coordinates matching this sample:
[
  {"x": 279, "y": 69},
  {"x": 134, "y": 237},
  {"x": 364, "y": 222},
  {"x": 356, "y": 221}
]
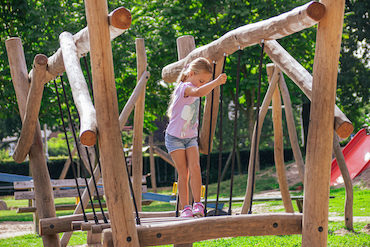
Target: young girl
[{"x": 182, "y": 130}]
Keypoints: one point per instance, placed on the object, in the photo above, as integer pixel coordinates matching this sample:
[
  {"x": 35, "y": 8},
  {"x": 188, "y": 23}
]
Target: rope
[
  {"x": 69, "y": 152},
  {"x": 235, "y": 129},
  {"x": 220, "y": 139},
  {"x": 95, "y": 185},
  {"x": 78, "y": 149},
  {"x": 132, "y": 193},
  {"x": 257, "y": 122},
  {"x": 209, "y": 143}
]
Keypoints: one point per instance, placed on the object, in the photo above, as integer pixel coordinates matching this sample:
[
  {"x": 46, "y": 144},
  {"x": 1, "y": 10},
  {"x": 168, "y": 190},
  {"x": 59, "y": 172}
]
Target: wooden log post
[
  {"x": 115, "y": 177},
  {"x": 277, "y": 123},
  {"x": 130, "y": 104},
  {"x": 80, "y": 91},
  {"x": 94, "y": 239},
  {"x": 262, "y": 114},
  {"x": 320, "y": 134},
  {"x": 67, "y": 164},
  {"x": 30, "y": 119},
  {"x": 291, "y": 127},
  {"x": 164, "y": 155},
  {"x": 37, "y": 161},
  {"x": 152, "y": 165},
  {"x": 348, "y": 206},
  {"x": 303, "y": 79},
  {"x": 186, "y": 44},
  {"x": 119, "y": 19},
  {"x": 137, "y": 143},
  {"x": 274, "y": 28},
  {"x": 206, "y": 120}
]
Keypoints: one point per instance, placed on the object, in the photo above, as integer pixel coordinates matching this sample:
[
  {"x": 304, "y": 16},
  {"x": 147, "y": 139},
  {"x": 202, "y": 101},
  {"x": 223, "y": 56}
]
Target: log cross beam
[
  {"x": 274, "y": 28},
  {"x": 119, "y": 20},
  {"x": 303, "y": 79},
  {"x": 80, "y": 91},
  {"x": 30, "y": 119}
]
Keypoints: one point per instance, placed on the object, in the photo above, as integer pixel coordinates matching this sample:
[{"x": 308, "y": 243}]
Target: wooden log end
[
  {"x": 120, "y": 18},
  {"x": 40, "y": 59},
  {"x": 88, "y": 138},
  {"x": 107, "y": 238},
  {"x": 344, "y": 130},
  {"x": 316, "y": 11}
]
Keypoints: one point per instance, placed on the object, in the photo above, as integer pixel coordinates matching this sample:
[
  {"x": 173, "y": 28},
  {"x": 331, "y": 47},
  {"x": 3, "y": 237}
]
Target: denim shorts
[{"x": 174, "y": 143}]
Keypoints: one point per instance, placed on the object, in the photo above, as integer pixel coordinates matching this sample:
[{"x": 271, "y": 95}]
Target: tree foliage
[{"x": 38, "y": 23}]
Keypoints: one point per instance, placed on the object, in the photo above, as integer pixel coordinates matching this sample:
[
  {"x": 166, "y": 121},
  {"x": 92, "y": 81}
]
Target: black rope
[
  {"x": 95, "y": 185},
  {"x": 209, "y": 144},
  {"x": 97, "y": 158},
  {"x": 199, "y": 116},
  {"x": 99, "y": 166},
  {"x": 220, "y": 139},
  {"x": 89, "y": 77},
  {"x": 69, "y": 152},
  {"x": 132, "y": 193},
  {"x": 78, "y": 149},
  {"x": 236, "y": 102},
  {"x": 257, "y": 123}
]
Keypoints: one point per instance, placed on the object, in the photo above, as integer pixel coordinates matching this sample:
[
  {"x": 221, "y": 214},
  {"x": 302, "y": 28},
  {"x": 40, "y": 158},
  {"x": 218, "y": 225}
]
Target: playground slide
[{"x": 357, "y": 156}]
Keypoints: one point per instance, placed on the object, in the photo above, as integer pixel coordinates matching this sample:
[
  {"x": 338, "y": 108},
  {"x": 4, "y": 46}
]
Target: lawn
[{"x": 336, "y": 207}]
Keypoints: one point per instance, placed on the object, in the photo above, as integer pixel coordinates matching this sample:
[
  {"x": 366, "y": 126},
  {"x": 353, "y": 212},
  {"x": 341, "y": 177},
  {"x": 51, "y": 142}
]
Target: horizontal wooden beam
[
  {"x": 30, "y": 120},
  {"x": 63, "y": 223},
  {"x": 196, "y": 230},
  {"x": 80, "y": 91},
  {"x": 303, "y": 79},
  {"x": 120, "y": 20},
  {"x": 55, "y": 183},
  {"x": 274, "y": 28},
  {"x": 29, "y": 195},
  {"x": 164, "y": 155},
  {"x": 60, "y": 207},
  {"x": 130, "y": 104}
]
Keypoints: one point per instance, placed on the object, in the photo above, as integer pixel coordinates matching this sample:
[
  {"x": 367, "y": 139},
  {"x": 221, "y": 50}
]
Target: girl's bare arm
[{"x": 206, "y": 88}]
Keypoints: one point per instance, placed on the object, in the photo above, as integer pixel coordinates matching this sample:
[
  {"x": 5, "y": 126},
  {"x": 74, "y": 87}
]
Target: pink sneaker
[
  {"x": 187, "y": 212},
  {"x": 198, "y": 209}
]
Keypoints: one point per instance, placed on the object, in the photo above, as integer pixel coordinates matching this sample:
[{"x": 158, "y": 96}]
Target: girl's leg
[
  {"x": 179, "y": 157},
  {"x": 192, "y": 157}
]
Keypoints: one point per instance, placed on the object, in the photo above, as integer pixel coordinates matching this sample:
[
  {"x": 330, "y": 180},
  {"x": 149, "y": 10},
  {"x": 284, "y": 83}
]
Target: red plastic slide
[{"x": 357, "y": 156}]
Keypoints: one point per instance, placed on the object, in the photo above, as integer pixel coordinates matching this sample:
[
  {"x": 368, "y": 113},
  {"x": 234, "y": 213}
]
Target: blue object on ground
[
  {"x": 158, "y": 197},
  {"x": 10, "y": 178}
]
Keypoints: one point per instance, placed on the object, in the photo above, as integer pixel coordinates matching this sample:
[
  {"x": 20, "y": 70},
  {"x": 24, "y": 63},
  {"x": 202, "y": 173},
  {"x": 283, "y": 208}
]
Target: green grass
[{"x": 265, "y": 182}]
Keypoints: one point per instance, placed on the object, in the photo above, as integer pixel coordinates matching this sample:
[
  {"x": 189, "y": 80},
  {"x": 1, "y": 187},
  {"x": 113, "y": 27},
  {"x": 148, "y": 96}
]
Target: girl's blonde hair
[{"x": 198, "y": 65}]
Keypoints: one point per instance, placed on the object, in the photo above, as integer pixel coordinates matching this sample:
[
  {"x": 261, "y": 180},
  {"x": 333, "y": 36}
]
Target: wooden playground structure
[{"x": 163, "y": 228}]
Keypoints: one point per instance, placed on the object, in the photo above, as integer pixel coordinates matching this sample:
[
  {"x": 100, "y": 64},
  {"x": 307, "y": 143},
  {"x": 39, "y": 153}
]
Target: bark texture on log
[
  {"x": 80, "y": 91},
  {"x": 320, "y": 134},
  {"x": 40, "y": 174},
  {"x": 32, "y": 108},
  {"x": 274, "y": 28},
  {"x": 115, "y": 177},
  {"x": 303, "y": 79},
  {"x": 81, "y": 39},
  {"x": 291, "y": 127},
  {"x": 277, "y": 122},
  {"x": 262, "y": 114},
  {"x": 137, "y": 143}
]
